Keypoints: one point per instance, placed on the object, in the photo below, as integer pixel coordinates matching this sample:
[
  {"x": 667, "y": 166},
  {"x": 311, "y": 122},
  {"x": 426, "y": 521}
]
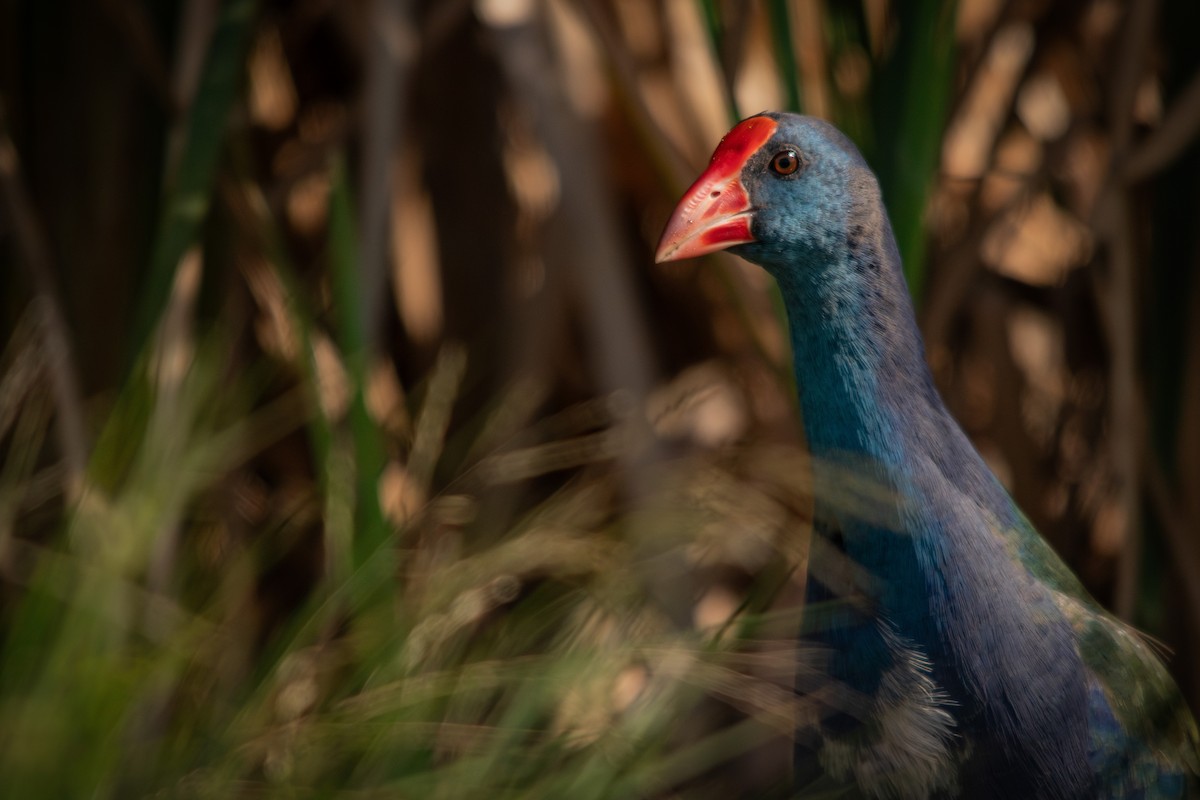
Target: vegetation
[{"x": 352, "y": 445}]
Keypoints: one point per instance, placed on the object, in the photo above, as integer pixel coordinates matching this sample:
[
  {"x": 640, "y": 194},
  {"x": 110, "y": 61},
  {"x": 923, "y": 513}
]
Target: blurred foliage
[{"x": 351, "y": 442}]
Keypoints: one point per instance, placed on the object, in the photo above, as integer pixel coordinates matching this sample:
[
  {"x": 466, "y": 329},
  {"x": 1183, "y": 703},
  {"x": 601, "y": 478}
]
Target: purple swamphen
[{"x": 987, "y": 670}]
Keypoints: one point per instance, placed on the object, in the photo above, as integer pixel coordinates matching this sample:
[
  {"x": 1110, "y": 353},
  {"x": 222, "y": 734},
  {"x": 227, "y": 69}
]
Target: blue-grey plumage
[{"x": 989, "y": 671}]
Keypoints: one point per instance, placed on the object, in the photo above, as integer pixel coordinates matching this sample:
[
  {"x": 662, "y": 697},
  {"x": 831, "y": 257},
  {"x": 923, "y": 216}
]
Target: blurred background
[{"x": 351, "y": 442}]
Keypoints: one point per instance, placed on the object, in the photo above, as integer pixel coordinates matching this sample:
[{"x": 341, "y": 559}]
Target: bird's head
[{"x": 782, "y": 190}]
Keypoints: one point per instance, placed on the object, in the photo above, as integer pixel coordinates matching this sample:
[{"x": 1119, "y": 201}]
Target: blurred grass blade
[
  {"x": 370, "y": 529},
  {"x": 912, "y": 90},
  {"x": 189, "y": 193},
  {"x": 711, "y": 11},
  {"x": 785, "y": 54}
]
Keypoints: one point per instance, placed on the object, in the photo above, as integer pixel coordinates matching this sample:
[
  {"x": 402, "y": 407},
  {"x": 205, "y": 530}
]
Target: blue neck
[
  {"x": 873, "y": 422},
  {"x": 857, "y": 351},
  {"x": 871, "y": 415},
  {"x": 869, "y": 403},
  {"x": 947, "y": 561}
]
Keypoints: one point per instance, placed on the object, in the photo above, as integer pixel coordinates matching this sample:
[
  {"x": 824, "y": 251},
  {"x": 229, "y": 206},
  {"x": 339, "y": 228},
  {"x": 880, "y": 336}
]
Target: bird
[{"x": 982, "y": 667}]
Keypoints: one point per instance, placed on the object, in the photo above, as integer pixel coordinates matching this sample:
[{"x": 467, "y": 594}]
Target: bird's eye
[{"x": 785, "y": 162}]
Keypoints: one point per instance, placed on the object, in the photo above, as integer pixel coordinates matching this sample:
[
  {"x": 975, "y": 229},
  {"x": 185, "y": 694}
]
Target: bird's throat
[{"x": 856, "y": 351}]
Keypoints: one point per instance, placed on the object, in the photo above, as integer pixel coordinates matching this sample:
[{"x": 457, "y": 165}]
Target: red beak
[{"x": 715, "y": 212}]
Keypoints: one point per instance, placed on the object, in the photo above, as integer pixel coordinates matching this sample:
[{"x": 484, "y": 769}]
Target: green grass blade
[
  {"x": 911, "y": 94},
  {"x": 370, "y": 529},
  {"x": 785, "y": 54},
  {"x": 711, "y": 12},
  {"x": 189, "y": 196}
]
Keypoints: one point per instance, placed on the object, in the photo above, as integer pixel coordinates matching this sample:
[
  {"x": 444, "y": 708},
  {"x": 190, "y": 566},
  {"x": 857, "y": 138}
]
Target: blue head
[
  {"x": 794, "y": 195},
  {"x": 788, "y": 192}
]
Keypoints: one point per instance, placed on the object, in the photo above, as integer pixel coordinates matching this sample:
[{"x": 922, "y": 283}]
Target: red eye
[{"x": 785, "y": 162}]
